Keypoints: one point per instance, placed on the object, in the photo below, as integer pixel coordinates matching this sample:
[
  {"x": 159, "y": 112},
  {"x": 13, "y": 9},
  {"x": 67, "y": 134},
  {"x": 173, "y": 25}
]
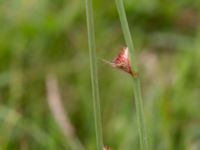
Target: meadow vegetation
[{"x": 45, "y": 85}]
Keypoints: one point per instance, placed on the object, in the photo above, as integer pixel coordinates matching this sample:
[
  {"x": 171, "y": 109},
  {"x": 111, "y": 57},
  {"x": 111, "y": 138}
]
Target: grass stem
[
  {"x": 94, "y": 74},
  {"x": 136, "y": 80}
]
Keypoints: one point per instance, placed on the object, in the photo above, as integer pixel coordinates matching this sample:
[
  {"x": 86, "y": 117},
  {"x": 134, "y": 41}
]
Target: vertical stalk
[
  {"x": 136, "y": 80},
  {"x": 140, "y": 114},
  {"x": 94, "y": 76}
]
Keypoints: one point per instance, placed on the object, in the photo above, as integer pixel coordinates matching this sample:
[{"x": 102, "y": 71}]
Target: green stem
[
  {"x": 94, "y": 75},
  {"x": 136, "y": 80},
  {"x": 140, "y": 114},
  {"x": 125, "y": 30}
]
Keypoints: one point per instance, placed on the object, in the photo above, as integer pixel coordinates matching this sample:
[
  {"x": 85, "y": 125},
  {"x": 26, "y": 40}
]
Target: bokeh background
[{"x": 45, "y": 88}]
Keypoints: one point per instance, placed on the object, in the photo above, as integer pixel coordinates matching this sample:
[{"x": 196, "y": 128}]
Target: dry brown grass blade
[{"x": 59, "y": 113}]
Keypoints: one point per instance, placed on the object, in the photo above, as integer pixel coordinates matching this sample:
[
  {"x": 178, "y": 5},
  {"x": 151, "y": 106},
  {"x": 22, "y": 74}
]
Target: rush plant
[
  {"x": 134, "y": 73},
  {"x": 94, "y": 75}
]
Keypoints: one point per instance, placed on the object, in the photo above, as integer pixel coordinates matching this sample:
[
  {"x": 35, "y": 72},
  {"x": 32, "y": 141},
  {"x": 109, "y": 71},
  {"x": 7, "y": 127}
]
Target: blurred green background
[{"x": 45, "y": 88}]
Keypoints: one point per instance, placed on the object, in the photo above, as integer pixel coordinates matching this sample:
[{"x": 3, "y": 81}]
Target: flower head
[
  {"x": 122, "y": 62},
  {"x": 106, "y": 148}
]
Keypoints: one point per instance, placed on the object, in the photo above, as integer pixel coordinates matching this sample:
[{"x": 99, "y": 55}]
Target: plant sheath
[
  {"x": 94, "y": 74},
  {"x": 136, "y": 80}
]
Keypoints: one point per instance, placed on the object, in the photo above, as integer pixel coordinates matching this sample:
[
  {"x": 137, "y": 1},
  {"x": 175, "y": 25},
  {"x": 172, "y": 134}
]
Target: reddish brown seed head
[
  {"x": 106, "y": 148},
  {"x": 122, "y": 61}
]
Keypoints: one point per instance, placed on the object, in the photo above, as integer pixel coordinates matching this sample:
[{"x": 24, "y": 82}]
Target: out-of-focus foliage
[{"x": 42, "y": 37}]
